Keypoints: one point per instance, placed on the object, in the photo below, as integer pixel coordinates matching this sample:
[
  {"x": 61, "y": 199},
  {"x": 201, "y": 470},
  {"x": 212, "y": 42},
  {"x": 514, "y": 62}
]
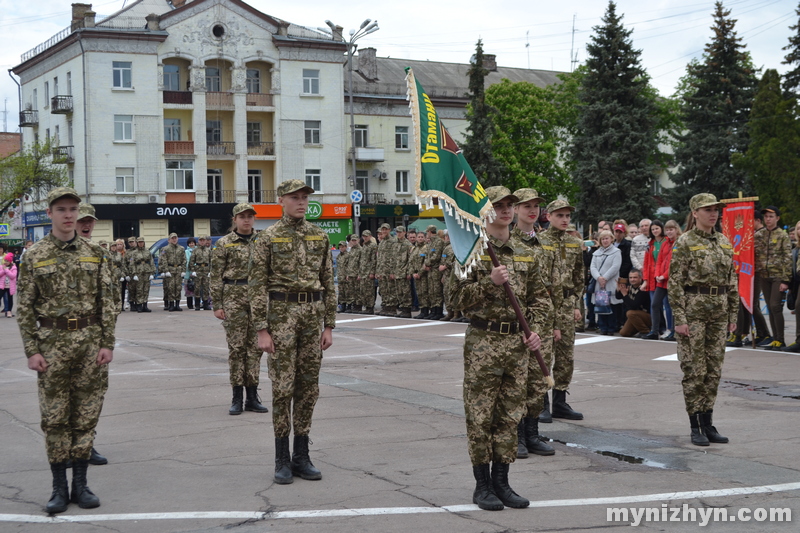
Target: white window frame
[
  {"x": 253, "y": 83},
  {"x": 35, "y": 100},
  {"x": 253, "y": 132},
  {"x": 176, "y": 176},
  {"x": 123, "y": 129},
  {"x": 311, "y": 81},
  {"x": 55, "y": 86},
  {"x": 125, "y": 174},
  {"x": 171, "y": 129},
  {"x": 362, "y": 135},
  {"x": 314, "y": 179},
  {"x": 213, "y": 81},
  {"x": 69, "y": 83},
  {"x": 172, "y": 75},
  {"x": 312, "y": 132},
  {"x": 46, "y": 94},
  {"x": 401, "y": 138},
  {"x": 401, "y": 181},
  {"x": 122, "y": 74}
]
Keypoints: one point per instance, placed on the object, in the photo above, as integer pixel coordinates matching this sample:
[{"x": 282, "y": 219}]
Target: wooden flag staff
[{"x": 521, "y": 318}]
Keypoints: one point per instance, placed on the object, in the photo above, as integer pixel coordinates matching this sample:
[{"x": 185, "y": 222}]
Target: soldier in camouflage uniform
[
  {"x": 200, "y": 267},
  {"x": 230, "y": 264},
  {"x": 773, "y": 251},
  {"x": 346, "y": 277},
  {"x": 445, "y": 269},
  {"x": 367, "y": 261},
  {"x": 145, "y": 269},
  {"x": 566, "y": 288},
  {"x": 420, "y": 275},
  {"x": 293, "y": 298},
  {"x": 433, "y": 257},
  {"x": 130, "y": 256},
  {"x": 703, "y": 293},
  {"x": 341, "y": 269},
  {"x": 383, "y": 270},
  {"x": 527, "y": 211},
  {"x": 402, "y": 276},
  {"x": 172, "y": 264},
  {"x": 67, "y": 316},
  {"x": 495, "y": 355}
]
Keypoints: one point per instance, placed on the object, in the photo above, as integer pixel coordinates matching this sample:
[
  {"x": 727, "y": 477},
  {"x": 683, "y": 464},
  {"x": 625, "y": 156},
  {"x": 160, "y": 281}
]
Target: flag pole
[{"x": 521, "y": 318}]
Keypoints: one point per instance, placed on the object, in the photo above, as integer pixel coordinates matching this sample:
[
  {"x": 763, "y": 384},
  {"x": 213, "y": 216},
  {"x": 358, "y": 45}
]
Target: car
[{"x": 155, "y": 248}]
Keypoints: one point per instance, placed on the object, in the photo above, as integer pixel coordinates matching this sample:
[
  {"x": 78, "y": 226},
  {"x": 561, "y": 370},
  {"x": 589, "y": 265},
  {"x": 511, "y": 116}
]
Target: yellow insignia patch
[
  {"x": 523, "y": 258},
  {"x": 281, "y": 239},
  {"x": 232, "y": 244},
  {"x": 311, "y": 238},
  {"x": 89, "y": 259},
  {"x": 699, "y": 247},
  {"x": 44, "y": 263},
  {"x": 485, "y": 258},
  {"x": 572, "y": 245}
]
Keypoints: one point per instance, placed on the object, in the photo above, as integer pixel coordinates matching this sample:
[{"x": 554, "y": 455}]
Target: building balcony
[
  {"x": 219, "y": 100},
  {"x": 369, "y": 154},
  {"x": 262, "y": 197},
  {"x": 219, "y": 196},
  {"x": 29, "y": 117},
  {"x": 61, "y": 104},
  {"x": 64, "y": 154},
  {"x": 220, "y": 148},
  {"x": 179, "y": 147},
  {"x": 260, "y": 148},
  {"x": 375, "y": 198},
  {"x": 259, "y": 100},
  {"x": 177, "y": 97}
]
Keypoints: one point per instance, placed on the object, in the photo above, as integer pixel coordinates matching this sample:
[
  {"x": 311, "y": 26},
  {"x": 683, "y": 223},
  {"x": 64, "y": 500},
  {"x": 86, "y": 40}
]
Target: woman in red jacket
[
  {"x": 650, "y": 283},
  {"x": 673, "y": 231}
]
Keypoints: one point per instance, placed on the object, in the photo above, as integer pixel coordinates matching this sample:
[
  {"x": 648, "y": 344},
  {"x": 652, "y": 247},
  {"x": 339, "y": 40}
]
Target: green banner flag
[{"x": 442, "y": 173}]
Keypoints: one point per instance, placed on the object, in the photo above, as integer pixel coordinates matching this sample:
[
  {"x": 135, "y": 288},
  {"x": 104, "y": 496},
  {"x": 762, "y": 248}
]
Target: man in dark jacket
[
  {"x": 624, "y": 245},
  {"x": 636, "y": 304}
]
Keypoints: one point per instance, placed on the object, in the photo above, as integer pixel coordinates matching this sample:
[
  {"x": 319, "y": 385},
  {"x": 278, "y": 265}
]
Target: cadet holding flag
[{"x": 704, "y": 294}]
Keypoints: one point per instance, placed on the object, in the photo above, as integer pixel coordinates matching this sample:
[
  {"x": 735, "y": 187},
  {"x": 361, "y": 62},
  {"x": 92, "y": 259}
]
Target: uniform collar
[
  {"x": 296, "y": 223},
  {"x": 63, "y": 244}
]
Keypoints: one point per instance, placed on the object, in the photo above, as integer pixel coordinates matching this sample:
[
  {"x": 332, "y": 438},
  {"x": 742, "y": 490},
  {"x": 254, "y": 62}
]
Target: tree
[
  {"x": 615, "y": 148},
  {"x": 791, "y": 83},
  {"x": 715, "y": 108},
  {"x": 32, "y": 171},
  {"x": 480, "y": 128},
  {"x": 773, "y": 157}
]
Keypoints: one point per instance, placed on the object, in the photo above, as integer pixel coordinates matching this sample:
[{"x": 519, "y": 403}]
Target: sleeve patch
[
  {"x": 89, "y": 259},
  {"x": 281, "y": 239},
  {"x": 307, "y": 237},
  {"x": 45, "y": 263}
]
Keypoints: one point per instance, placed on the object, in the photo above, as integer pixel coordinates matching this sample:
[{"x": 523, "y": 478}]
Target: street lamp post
[{"x": 367, "y": 27}]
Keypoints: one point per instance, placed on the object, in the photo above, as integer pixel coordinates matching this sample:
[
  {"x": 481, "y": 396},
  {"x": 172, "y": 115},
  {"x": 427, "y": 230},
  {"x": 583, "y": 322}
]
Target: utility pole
[
  {"x": 573, "y": 57},
  {"x": 528, "y": 48}
]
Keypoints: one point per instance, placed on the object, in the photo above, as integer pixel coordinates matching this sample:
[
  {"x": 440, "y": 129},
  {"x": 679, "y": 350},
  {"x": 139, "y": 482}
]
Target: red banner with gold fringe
[{"x": 738, "y": 227}]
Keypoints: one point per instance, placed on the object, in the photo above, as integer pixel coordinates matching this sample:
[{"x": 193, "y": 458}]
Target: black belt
[
  {"x": 713, "y": 291},
  {"x": 506, "y": 328},
  {"x": 568, "y": 292},
  {"x": 296, "y": 297},
  {"x": 202, "y": 264},
  {"x": 70, "y": 324},
  {"x": 235, "y": 281}
]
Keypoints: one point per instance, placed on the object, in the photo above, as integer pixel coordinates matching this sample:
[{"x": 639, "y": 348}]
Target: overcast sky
[{"x": 522, "y": 33}]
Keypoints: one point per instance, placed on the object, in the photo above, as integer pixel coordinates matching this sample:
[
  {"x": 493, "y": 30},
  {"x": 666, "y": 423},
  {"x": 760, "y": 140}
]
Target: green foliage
[
  {"x": 791, "y": 83},
  {"x": 615, "y": 149},
  {"x": 773, "y": 158},
  {"x": 480, "y": 127},
  {"x": 32, "y": 172},
  {"x": 716, "y": 99}
]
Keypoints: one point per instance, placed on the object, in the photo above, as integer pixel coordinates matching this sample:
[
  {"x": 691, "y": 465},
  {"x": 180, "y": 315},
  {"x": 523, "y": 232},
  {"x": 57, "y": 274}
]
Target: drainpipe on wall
[{"x": 85, "y": 119}]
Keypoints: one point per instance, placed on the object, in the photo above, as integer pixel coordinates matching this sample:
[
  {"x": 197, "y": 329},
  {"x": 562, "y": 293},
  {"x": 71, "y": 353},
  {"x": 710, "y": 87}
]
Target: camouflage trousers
[
  {"x": 564, "y": 350},
  {"x": 446, "y": 289},
  {"x": 435, "y": 288},
  {"x": 71, "y": 391},
  {"x": 422, "y": 290},
  {"x": 367, "y": 287},
  {"x": 537, "y": 385},
  {"x": 132, "y": 286},
  {"x": 386, "y": 287},
  {"x": 244, "y": 356},
  {"x": 495, "y": 374},
  {"x": 702, "y": 353},
  {"x": 172, "y": 287},
  {"x": 143, "y": 289},
  {"x": 294, "y": 367},
  {"x": 402, "y": 288},
  {"x": 201, "y": 287}
]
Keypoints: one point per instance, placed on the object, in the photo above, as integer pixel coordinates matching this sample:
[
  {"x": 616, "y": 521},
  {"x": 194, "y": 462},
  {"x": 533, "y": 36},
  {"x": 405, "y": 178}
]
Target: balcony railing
[
  {"x": 214, "y": 99},
  {"x": 375, "y": 198},
  {"x": 259, "y": 99},
  {"x": 177, "y": 97},
  {"x": 179, "y": 147},
  {"x": 61, "y": 104},
  {"x": 262, "y": 197},
  {"x": 63, "y": 154},
  {"x": 225, "y": 196},
  {"x": 221, "y": 148},
  {"x": 260, "y": 148},
  {"x": 28, "y": 117},
  {"x": 219, "y": 196}
]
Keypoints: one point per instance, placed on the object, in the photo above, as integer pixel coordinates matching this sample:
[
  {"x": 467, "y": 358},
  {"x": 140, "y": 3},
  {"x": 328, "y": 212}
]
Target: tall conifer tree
[{"x": 791, "y": 80}]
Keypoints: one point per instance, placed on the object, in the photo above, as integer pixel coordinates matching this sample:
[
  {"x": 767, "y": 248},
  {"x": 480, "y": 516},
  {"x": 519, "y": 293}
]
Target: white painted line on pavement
[
  {"x": 457, "y": 335},
  {"x": 378, "y": 511},
  {"x": 361, "y": 319},
  {"x": 592, "y": 340},
  {"x": 406, "y": 326},
  {"x": 674, "y": 356}
]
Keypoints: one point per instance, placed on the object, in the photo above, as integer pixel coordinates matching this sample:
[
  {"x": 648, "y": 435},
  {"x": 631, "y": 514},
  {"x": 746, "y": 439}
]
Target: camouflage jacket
[
  {"x": 230, "y": 259},
  {"x": 544, "y": 310},
  {"x": 291, "y": 256},
  {"x": 567, "y": 280},
  {"x": 416, "y": 258},
  {"x": 61, "y": 280},
  {"x": 402, "y": 252},
  {"x": 172, "y": 260},
  {"x": 386, "y": 250},
  {"x": 351, "y": 266},
  {"x": 200, "y": 261},
  {"x": 143, "y": 264},
  {"x": 367, "y": 259},
  {"x": 117, "y": 265},
  {"x": 341, "y": 265},
  {"x": 433, "y": 254},
  {"x": 447, "y": 258},
  {"x": 702, "y": 259},
  {"x": 773, "y": 254}
]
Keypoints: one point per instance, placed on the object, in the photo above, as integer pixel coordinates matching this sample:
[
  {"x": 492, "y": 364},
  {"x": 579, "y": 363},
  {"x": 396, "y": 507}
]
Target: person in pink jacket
[
  {"x": 8, "y": 283},
  {"x": 672, "y": 231}
]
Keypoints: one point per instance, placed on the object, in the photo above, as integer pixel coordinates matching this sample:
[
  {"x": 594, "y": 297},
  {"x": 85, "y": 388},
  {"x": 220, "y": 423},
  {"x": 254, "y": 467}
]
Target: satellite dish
[{"x": 376, "y": 173}]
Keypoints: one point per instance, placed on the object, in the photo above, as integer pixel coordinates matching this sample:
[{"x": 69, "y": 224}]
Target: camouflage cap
[
  {"x": 703, "y": 200},
  {"x": 432, "y": 228},
  {"x": 206, "y": 237},
  {"x": 498, "y": 192},
  {"x": 572, "y": 227},
  {"x": 86, "y": 210},
  {"x": 290, "y": 186},
  {"x": 171, "y": 235},
  {"x": 366, "y": 233},
  {"x": 141, "y": 239},
  {"x": 61, "y": 192},
  {"x": 385, "y": 226},
  {"x": 555, "y": 205},
  {"x": 241, "y": 208},
  {"x": 101, "y": 242},
  {"x": 132, "y": 239},
  {"x": 400, "y": 229},
  {"x": 528, "y": 195}
]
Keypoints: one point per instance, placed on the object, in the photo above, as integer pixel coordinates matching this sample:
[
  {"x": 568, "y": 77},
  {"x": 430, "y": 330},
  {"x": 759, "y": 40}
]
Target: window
[
  {"x": 213, "y": 131},
  {"x": 214, "y": 185},
  {"x": 313, "y": 178},
  {"x": 122, "y": 71},
  {"x": 310, "y": 81},
  {"x": 180, "y": 175},
  {"x": 213, "y": 80},
  {"x": 35, "y": 102},
  {"x": 123, "y": 128},
  {"x": 55, "y": 86},
  {"x": 57, "y": 136},
  {"x": 69, "y": 82},
  {"x": 255, "y": 192},
  {"x": 253, "y": 132},
  {"x": 46, "y": 94},
  {"x": 401, "y": 180},
  {"x": 312, "y": 128},
  {"x": 70, "y": 141},
  {"x": 172, "y": 78},
  {"x": 253, "y": 81},
  {"x": 124, "y": 179},
  {"x": 361, "y": 136},
  {"x": 401, "y": 137},
  {"x": 172, "y": 129},
  {"x": 362, "y": 181}
]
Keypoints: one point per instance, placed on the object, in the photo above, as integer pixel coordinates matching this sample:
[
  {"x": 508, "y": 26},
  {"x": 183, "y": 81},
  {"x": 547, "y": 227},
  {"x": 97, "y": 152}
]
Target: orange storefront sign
[{"x": 329, "y": 211}]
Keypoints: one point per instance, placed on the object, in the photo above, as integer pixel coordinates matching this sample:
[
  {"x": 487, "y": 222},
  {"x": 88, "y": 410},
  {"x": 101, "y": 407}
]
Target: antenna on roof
[
  {"x": 573, "y": 58},
  {"x": 528, "y": 48}
]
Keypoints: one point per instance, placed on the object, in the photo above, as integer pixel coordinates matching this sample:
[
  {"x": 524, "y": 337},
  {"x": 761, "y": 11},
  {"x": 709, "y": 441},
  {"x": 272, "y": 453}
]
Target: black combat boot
[
  {"x": 368, "y": 310},
  {"x": 522, "y": 451},
  {"x": 97, "y": 459},
  {"x": 698, "y": 439},
  {"x": 59, "y": 500},
  {"x": 144, "y": 309},
  {"x": 545, "y": 417},
  {"x": 177, "y": 306},
  {"x": 505, "y": 493},
  {"x": 253, "y": 402},
  {"x": 198, "y": 304},
  {"x": 236, "y": 403},
  {"x": 448, "y": 317},
  {"x": 169, "y": 306},
  {"x": 301, "y": 462},
  {"x": 283, "y": 470},
  {"x": 405, "y": 312},
  {"x": 189, "y": 302},
  {"x": 533, "y": 441},
  {"x": 561, "y": 408},
  {"x": 423, "y": 313},
  {"x": 135, "y": 307},
  {"x": 206, "y": 305},
  {"x": 706, "y": 425},
  {"x": 436, "y": 313},
  {"x": 484, "y": 496},
  {"x": 81, "y": 494}
]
